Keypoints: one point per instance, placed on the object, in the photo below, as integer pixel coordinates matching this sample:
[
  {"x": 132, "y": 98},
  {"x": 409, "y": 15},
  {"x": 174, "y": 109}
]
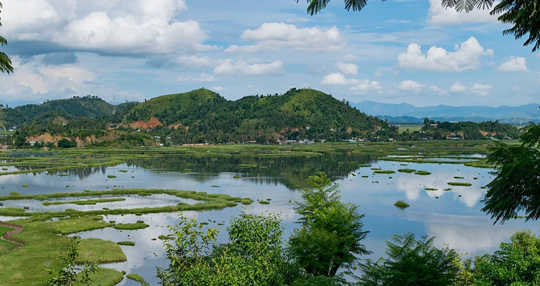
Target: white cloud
[
  {"x": 112, "y": 27},
  {"x": 193, "y": 62},
  {"x": 274, "y": 36},
  {"x": 457, "y": 87},
  {"x": 514, "y": 64},
  {"x": 355, "y": 84},
  {"x": 218, "y": 88},
  {"x": 476, "y": 89},
  {"x": 229, "y": 67},
  {"x": 439, "y": 15},
  {"x": 480, "y": 89},
  {"x": 382, "y": 70},
  {"x": 466, "y": 57},
  {"x": 438, "y": 90},
  {"x": 203, "y": 77},
  {"x": 350, "y": 58},
  {"x": 347, "y": 68},
  {"x": 409, "y": 85}
]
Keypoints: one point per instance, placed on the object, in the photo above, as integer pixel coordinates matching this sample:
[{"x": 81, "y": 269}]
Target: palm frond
[
  {"x": 448, "y": 3},
  {"x": 483, "y": 4},
  {"x": 5, "y": 63},
  {"x": 315, "y": 6},
  {"x": 356, "y": 5},
  {"x": 464, "y": 5}
]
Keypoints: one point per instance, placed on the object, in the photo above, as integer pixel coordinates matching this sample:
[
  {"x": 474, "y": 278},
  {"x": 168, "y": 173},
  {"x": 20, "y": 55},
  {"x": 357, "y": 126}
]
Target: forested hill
[
  {"x": 89, "y": 106},
  {"x": 297, "y": 114}
]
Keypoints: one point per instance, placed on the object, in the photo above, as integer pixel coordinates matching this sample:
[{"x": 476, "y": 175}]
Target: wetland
[{"x": 121, "y": 201}]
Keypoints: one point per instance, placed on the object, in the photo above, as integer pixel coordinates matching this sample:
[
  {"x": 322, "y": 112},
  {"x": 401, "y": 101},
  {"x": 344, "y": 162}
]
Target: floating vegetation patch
[
  {"x": 214, "y": 186},
  {"x": 431, "y": 189},
  {"x": 365, "y": 176},
  {"x": 363, "y": 166},
  {"x": 401, "y": 204},
  {"x": 123, "y": 171},
  {"x": 422, "y": 173},
  {"x": 237, "y": 176},
  {"x": 111, "y": 176},
  {"x": 460, "y": 184},
  {"x": 137, "y": 278},
  {"x": 126, "y": 243},
  {"x": 384, "y": 172},
  {"x": 165, "y": 237},
  {"x": 264, "y": 202},
  {"x": 85, "y": 202},
  {"x": 247, "y": 166},
  {"x": 25, "y": 185},
  {"x": 131, "y": 226},
  {"x": 376, "y": 168},
  {"x": 459, "y": 178},
  {"x": 406, "y": 170}
]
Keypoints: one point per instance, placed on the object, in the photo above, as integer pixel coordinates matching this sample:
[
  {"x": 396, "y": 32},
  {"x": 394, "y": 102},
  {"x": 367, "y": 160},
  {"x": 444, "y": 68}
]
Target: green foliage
[
  {"x": 516, "y": 263},
  {"x": 515, "y": 187},
  {"x": 65, "y": 143},
  {"x": 331, "y": 231},
  {"x": 411, "y": 262},
  {"x": 253, "y": 255},
  {"x": 5, "y": 62},
  {"x": 70, "y": 272},
  {"x": 524, "y": 15}
]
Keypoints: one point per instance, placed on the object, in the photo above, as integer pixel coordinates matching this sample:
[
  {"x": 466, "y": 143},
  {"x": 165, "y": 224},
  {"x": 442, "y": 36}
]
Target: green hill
[
  {"x": 297, "y": 114},
  {"x": 88, "y": 106}
]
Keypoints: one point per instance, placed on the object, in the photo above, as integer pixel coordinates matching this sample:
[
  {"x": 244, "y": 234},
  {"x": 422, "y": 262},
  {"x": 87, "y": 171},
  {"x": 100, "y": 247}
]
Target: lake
[{"x": 452, "y": 216}]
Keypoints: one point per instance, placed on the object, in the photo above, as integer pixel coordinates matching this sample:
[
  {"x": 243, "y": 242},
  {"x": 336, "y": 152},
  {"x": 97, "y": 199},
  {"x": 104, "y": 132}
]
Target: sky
[{"x": 411, "y": 51}]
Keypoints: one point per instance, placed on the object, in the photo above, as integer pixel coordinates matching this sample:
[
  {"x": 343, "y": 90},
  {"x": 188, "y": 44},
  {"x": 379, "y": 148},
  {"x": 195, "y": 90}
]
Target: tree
[
  {"x": 412, "y": 262},
  {"x": 331, "y": 232},
  {"x": 253, "y": 255},
  {"x": 5, "y": 62},
  {"x": 515, "y": 187},
  {"x": 72, "y": 273},
  {"x": 515, "y": 263},
  {"x": 524, "y": 14}
]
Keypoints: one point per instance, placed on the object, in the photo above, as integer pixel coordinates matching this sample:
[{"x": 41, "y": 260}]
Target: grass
[
  {"x": 459, "y": 184},
  {"x": 131, "y": 226},
  {"x": 384, "y": 172},
  {"x": 459, "y": 178},
  {"x": 111, "y": 176},
  {"x": 401, "y": 204},
  {"x": 206, "y": 202},
  {"x": 5, "y": 246},
  {"x": 264, "y": 202},
  {"x": 406, "y": 170},
  {"x": 431, "y": 189},
  {"x": 85, "y": 202},
  {"x": 126, "y": 243},
  {"x": 136, "y": 277},
  {"x": 422, "y": 173},
  {"x": 43, "y": 247}
]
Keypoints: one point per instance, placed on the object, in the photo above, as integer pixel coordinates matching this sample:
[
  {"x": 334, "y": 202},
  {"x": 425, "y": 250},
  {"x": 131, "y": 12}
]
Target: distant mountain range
[{"x": 406, "y": 113}]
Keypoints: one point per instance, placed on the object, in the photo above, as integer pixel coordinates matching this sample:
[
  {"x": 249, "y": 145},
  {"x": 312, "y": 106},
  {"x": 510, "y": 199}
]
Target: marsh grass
[
  {"x": 422, "y": 173},
  {"x": 401, "y": 204},
  {"x": 431, "y": 189},
  {"x": 462, "y": 184},
  {"x": 42, "y": 248},
  {"x": 131, "y": 226},
  {"x": 459, "y": 178},
  {"x": 126, "y": 243},
  {"x": 136, "y": 277},
  {"x": 406, "y": 170},
  {"x": 6, "y": 246},
  {"x": 384, "y": 172},
  {"x": 85, "y": 202}
]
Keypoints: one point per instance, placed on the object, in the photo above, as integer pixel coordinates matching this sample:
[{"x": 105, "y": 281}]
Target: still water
[{"x": 453, "y": 217}]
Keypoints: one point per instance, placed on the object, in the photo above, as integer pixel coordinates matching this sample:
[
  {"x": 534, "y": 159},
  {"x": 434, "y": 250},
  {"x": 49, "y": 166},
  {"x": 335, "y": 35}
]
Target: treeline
[{"x": 436, "y": 130}]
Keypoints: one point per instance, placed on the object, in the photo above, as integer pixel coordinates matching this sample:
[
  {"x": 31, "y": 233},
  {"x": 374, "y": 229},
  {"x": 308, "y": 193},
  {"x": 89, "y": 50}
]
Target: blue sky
[{"x": 411, "y": 51}]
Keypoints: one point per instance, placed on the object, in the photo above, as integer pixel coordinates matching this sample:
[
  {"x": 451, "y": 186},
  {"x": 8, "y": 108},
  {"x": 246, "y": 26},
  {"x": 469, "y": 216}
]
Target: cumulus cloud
[
  {"x": 409, "y": 85},
  {"x": 274, "y": 36},
  {"x": 193, "y": 62},
  {"x": 218, "y": 88},
  {"x": 438, "y": 90},
  {"x": 60, "y": 58},
  {"x": 439, "y": 15},
  {"x": 203, "y": 77},
  {"x": 476, "y": 89},
  {"x": 457, "y": 87},
  {"x": 360, "y": 85},
  {"x": 480, "y": 89},
  {"x": 347, "y": 68},
  {"x": 514, "y": 64},
  {"x": 350, "y": 58},
  {"x": 109, "y": 27},
  {"x": 466, "y": 57},
  {"x": 229, "y": 67}
]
